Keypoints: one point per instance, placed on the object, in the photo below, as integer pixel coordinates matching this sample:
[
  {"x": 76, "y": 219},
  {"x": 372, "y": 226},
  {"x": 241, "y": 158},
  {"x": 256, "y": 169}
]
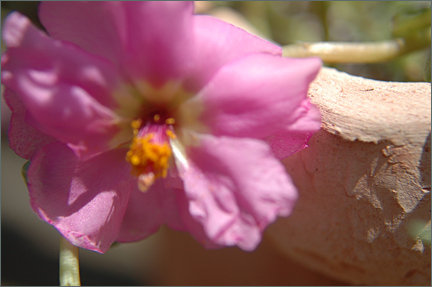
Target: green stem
[
  {"x": 69, "y": 264},
  {"x": 405, "y": 27},
  {"x": 369, "y": 52}
]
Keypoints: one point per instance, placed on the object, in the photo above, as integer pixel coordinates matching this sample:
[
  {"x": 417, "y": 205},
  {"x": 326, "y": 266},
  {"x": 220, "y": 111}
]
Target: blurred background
[{"x": 30, "y": 246}]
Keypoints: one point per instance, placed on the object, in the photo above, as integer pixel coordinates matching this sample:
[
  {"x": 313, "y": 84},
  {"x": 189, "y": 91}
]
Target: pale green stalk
[
  {"x": 369, "y": 52},
  {"x": 69, "y": 264}
]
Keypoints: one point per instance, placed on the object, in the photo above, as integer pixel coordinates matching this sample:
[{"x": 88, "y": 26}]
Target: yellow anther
[
  {"x": 136, "y": 124},
  {"x": 135, "y": 160},
  {"x": 170, "y": 121},
  {"x": 170, "y": 134},
  {"x": 156, "y": 118}
]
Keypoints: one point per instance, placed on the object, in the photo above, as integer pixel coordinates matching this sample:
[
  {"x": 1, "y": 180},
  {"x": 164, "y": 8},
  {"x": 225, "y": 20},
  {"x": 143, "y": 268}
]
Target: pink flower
[{"x": 139, "y": 114}]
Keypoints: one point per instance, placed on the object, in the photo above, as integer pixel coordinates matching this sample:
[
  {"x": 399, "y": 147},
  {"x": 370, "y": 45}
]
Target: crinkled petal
[
  {"x": 257, "y": 96},
  {"x": 67, "y": 91},
  {"x": 235, "y": 188},
  {"x": 218, "y": 43},
  {"x": 24, "y": 139},
  {"x": 84, "y": 200},
  {"x": 188, "y": 223},
  {"x": 148, "y": 40}
]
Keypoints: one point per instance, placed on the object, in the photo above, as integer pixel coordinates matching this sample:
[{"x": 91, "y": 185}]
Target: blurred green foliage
[{"x": 286, "y": 22}]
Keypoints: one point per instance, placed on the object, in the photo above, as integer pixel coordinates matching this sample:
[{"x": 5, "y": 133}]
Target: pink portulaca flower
[{"x": 139, "y": 114}]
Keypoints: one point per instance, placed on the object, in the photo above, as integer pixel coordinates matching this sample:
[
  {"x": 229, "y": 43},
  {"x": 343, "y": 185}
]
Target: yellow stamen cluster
[
  {"x": 149, "y": 159},
  {"x": 145, "y": 155}
]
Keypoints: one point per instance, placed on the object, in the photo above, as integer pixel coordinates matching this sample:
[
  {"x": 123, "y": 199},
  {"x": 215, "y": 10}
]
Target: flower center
[{"x": 150, "y": 151}]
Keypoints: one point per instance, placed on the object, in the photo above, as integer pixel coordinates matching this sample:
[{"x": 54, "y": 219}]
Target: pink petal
[
  {"x": 86, "y": 200},
  {"x": 146, "y": 212},
  {"x": 258, "y": 96},
  {"x": 24, "y": 139},
  {"x": 5, "y": 114},
  {"x": 287, "y": 143},
  {"x": 188, "y": 223},
  {"x": 148, "y": 40},
  {"x": 235, "y": 189},
  {"x": 67, "y": 92},
  {"x": 161, "y": 40},
  {"x": 218, "y": 43},
  {"x": 97, "y": 26}
]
